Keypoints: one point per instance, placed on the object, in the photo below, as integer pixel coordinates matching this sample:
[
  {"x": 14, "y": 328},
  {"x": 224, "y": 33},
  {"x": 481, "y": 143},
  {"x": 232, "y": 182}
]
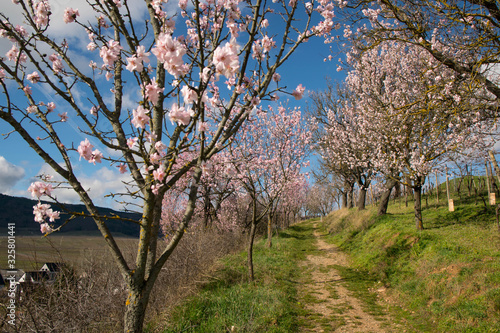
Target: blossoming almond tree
[
  {"x": 412, "y": 111},
  {"x": 152, "y": 82},
  {"x": 462, "y": 36},
  {"x": 269, "y": 155}
]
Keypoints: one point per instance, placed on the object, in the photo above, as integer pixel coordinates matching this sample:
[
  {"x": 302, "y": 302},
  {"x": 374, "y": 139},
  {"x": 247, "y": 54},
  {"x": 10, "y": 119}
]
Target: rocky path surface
[{"x": 331, "y": 306}]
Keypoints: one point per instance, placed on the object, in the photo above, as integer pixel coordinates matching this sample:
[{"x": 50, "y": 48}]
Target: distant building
[
  {"x": 52, "y": 268},
  {"x": 7, "y": 274},
  {"x": 35, "y": 277}
]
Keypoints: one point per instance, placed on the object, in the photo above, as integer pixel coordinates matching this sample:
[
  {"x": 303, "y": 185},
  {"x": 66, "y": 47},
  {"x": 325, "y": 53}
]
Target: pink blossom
[
  {"x": 155, "y": 158},
  {"x": 170, "y": 51},
  {"x": 33, "y": 77},
  {"x": 152, "y": 91},
  {"x": 141, "y": 54},
  {"x": 276, "y": 77},
  {"x": 189, "y": 94},
  {"x": 264, "y": 23},
  {"x": 32, "y": 109},
  {"x": 93, "y": 111},
  {"x": 52, "y": 215},
  {"x": 268, "y": 43},
  {"x": 12, "y": 53},
  {"x": 131, "y": 142},
  {"x": 42, "y": 9},
  {"x": 27, "y": 90},
  {"x": 45, "y": 228},
  {"x": 51, "y": 106},
  {"x": 91, "y": 46},
  {"x": 40, "y": 210},
  {"x": 122, "y": 168},
  {"x": 110, "y": 53},
  {"x": 140, "y": 118},
  {"x": 96, "y": 157},
  {"x": 298, "y": 92},
  {"x": 2, "y": 74},
  {"x": 226, "y": 60},
  {"x": 38, "y": 189},
  {"x": 160, "y": 146},
  {"x": 159, "y": 174},
  {"x": 70, "y": 15},
  {"x": 202, "y": 126},
  {"x": 155, "y": 188},
  {"x": 64, "y": 116},
  {"x": 135, "y": 63},
  {"x": 183, "y": 4},
  {"x": 57, "y": 65},
  {"x": 179, "y": 115},
  {"x": 85, "y": 149}
]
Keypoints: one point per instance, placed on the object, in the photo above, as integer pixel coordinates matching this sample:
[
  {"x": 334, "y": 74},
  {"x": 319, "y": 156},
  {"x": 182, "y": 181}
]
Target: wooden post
[{"x": 451, "y": 207}]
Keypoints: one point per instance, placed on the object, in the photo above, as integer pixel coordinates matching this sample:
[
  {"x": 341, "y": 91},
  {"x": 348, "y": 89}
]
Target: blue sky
[{"x": 19, "y": 164}]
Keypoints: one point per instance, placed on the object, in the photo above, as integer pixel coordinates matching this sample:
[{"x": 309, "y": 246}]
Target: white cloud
[
  {"x": 101, "y": 182},
  {"x": 10, "y": 174}
]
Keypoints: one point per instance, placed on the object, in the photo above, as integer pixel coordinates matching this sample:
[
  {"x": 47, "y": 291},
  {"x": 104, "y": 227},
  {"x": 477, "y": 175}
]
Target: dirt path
[{"x": 331, "y": 306}]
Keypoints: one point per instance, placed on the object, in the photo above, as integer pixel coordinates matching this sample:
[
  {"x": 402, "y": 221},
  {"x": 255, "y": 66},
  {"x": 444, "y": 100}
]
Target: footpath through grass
[
  {"x": 227, "y": 302},
  {"x": 445, "y": 278}
]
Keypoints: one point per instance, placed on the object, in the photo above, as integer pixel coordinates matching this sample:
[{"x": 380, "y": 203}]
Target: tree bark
[
  {"x": 495, "y": 164},
  {"x": 350, "y": 196},
  {"x": 386, "y": 196},
  {"x": 251, "y": 240},
  {"x": 135, "y": 309},
  {"x": 417, "y": 194},
  {"x": 361, "y": 204},
  {"x": 269, "y": 229},
  {"x": 344, "y": 199}
]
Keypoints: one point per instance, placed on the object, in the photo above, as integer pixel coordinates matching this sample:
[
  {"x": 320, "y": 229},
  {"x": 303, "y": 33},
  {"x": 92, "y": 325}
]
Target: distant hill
[{"x": 20, "y": 211}]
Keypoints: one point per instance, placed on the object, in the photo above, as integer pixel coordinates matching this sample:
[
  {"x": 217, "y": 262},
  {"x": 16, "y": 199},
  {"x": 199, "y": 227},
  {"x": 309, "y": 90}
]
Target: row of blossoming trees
[
  {"x": 421, "y": 88},
  {"x": 174, "y": 96}
]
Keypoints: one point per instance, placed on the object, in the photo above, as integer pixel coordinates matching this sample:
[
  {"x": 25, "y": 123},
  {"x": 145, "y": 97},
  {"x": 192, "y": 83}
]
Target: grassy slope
[
  {"x": 228, "y": 302},
  {"x": 445, "y": 278}
]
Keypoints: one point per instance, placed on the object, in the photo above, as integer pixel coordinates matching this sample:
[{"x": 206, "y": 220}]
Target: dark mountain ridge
[{"x": 19, "y": 210}]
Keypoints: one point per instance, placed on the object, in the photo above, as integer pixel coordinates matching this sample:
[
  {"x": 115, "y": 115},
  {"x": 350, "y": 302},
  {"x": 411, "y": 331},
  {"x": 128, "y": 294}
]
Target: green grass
[
  {"x": 228, "y": 301},
  {"x": 445, "y": 278}
]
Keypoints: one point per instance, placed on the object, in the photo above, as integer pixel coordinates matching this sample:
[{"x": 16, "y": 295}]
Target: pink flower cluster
[
  {"x": 42, "y": 10},
  {"x": 43, "y": 211},
  {"x": 38, "y": 189},
  {"x": 226, "y": 60},
  {"x": 180, "y": 115},
  {"x": 85, "y": 151},
  {"x": 140, "y": 117},
  {"x": 152, "y": 91},
  {"x": 299, "y": 92},
  {"x": 170, "y": 51},
  {"x": 57, "y": 64},
  {"x": 70, "y": 15},
  {"x": 110, "y": 53},
  {"x": 135, "y": 63}
]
